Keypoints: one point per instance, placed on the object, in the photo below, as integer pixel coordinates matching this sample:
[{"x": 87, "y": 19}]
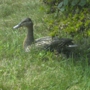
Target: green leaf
[
  {"x": 74, "y": 2},
  {"x": 60, "y": 4},
  {"x": 65, "y": 2},
  {"x": 82, "y": 2},
  {"x": 62, "y": 9}
]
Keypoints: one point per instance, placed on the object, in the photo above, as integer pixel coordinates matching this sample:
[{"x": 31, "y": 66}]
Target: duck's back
[
  {"x": 61, "y": 45},
  {"x": 51, "y": 44},
  {"x": 43, "y": 42}
]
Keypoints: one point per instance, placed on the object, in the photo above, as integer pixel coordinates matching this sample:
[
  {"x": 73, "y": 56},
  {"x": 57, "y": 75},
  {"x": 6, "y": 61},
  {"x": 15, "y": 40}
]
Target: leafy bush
[
  {"x": 72, "y": 5},
  {"x": 75, "y": 25},
  {"x": 75, "y": 17},
  {"x": 78, "y": 24},
  {"x": 67, "y": 5}
]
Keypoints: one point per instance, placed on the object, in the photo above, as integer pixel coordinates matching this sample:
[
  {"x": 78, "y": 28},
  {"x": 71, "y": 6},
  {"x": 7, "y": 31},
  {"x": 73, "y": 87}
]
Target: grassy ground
[{"x": 34, "y": 70}]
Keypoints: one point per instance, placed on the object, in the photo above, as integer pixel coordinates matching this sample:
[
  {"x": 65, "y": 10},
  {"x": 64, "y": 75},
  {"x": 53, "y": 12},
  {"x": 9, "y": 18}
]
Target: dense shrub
[
  {"x": 67, "y": 5},
  {"x": 72, "y": 17},
  {"x": 74, "y": 25}
]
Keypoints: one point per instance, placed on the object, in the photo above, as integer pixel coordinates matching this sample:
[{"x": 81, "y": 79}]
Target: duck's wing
[
  {"x": 44, "y": 41},
  {"x": 61, "y": 44}
]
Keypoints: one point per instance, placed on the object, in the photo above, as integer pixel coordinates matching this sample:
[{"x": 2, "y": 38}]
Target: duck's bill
[{"x": 17, "y": 26}]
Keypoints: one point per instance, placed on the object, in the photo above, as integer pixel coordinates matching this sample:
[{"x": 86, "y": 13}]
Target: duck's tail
[{"x": 72, "y": 46}]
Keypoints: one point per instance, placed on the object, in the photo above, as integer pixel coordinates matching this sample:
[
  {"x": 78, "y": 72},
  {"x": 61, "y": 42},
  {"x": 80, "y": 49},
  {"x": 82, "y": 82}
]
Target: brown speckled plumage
[{"x": 48, "y": 43}]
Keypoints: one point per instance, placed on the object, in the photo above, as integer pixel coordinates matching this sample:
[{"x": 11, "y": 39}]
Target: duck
[{"x": 47, "y": 43}]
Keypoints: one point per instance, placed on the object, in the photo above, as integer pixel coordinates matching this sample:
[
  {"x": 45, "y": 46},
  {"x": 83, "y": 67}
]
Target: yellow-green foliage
[
  {"x": 73, "y": 24},
  {"x": 78, "y": 24}
]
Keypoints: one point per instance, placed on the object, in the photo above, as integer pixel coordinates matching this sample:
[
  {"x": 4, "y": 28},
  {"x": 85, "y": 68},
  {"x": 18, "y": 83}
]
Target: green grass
[{"x": 36, "y": 70}]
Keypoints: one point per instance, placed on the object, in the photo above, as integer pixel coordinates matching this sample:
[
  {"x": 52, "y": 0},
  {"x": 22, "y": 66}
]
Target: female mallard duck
[{"x": 48, "y": 43}]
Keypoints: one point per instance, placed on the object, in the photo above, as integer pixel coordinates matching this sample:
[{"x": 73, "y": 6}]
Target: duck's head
[{"x": 26, "y": 23}]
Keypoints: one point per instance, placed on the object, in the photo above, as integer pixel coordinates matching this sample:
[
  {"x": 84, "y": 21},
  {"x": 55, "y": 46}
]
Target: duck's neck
[{"x": 29, "y": 38}]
